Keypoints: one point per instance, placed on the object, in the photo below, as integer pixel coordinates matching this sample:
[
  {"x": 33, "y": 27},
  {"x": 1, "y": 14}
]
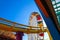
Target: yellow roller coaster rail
[{"x": 15, "y": 27}]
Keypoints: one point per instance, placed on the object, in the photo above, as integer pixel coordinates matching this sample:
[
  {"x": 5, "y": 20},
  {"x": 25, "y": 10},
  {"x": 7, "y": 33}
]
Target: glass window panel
[
  {"x": 53, "y": 2},
  {"x": 59, "y": 9},
  {"x": 56, "y": 5},
  {"x": 55, "y": 9}
]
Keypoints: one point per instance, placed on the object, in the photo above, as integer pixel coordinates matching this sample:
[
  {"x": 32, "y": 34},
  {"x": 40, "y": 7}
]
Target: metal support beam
[{"x": 51, "y": 23}]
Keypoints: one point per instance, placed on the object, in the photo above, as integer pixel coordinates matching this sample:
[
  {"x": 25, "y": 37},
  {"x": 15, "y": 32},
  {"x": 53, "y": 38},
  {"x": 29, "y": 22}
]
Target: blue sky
[{"x": 18, "y": 10}]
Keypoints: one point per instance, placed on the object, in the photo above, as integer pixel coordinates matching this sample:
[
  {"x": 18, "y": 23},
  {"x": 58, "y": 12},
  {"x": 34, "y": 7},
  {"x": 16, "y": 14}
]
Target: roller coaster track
[{"x": 15, "y": 27}]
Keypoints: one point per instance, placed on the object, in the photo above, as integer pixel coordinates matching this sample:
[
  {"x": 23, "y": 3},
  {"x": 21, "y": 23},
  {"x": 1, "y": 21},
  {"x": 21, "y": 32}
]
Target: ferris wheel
[
  {"x": 35, "y": 30},
  {"x": 36, "y": 21}
]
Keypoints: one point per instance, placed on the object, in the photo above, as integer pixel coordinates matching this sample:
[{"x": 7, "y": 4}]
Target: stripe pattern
[{"x": 39, "y": 24}]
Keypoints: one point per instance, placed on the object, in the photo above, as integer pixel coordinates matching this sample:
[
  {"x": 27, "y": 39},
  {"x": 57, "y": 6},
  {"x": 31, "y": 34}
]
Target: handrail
[
  {"x": 15, "y": 27},
  {"x": 25, "y": 30},
  {"x": 14, "y": 24}
]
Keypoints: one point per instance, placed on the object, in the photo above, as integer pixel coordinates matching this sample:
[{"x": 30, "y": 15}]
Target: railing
[
  {"x": 24, "y": 28},
  {"x": 9, "y": 23},
  {"x": 20, "y": 26}
]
